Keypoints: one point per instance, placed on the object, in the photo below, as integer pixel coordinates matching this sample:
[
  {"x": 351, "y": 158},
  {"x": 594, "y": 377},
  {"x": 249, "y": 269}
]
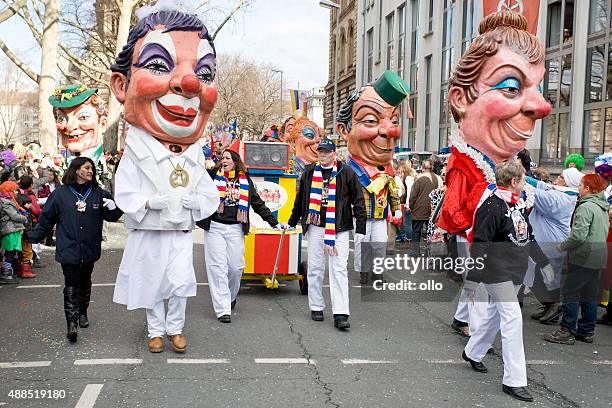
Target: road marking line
[
  {"x": 437, "y": 361},
  {"x": 101, "y": 361},
  {"x": 544, "y": 362},
  {"x": 25, "y": 364},
  {"x": 202, "y": 284},
  {"x": 103, "y": 284},
  {"x": 601, "y": 362},
  {"x": 89, "y": 396},
  {"x": 198, "y": 361},
  {"x": 358, "y": 361},
  {"x": 38, "y": 286},
  {"x": 284, "y": 361},
  {"x": 357, "y": 286}
]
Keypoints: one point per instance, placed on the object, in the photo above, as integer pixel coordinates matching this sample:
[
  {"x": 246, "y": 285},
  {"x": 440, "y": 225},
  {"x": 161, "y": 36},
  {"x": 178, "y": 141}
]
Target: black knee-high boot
[
  {"x": 71, "y": 308},
  {"x": 84, "y": 297}
]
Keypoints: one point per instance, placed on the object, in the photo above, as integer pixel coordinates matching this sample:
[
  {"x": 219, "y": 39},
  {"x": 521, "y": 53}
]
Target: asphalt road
[{"x": 396, "y": 354}]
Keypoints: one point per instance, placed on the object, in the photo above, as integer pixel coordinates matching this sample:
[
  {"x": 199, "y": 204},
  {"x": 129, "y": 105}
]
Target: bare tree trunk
[
  {"x": 114, "y": 107},
  {"x": 46, "y": 84}
]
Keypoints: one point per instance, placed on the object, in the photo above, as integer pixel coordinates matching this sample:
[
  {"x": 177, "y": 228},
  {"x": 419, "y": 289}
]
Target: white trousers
[
  {"x": 376, "y": 237},
  {"x": 502, "y": 313},
  {"x": 224, "y": 257},
  {"x": 471, "y": 308},
  {"x": 172, "y": 323},
  {"x": 338, "y": 273}
]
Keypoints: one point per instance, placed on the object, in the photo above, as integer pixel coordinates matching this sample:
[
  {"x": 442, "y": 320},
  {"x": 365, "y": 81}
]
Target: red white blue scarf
[
  {"x": 221, "y": 180},
  {"x": 314, "y": 206}
]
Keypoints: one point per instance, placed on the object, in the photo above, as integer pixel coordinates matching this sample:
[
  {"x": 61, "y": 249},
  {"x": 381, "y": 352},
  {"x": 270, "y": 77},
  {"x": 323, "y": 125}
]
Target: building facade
[
  {"x": 422, "y": 40},
  {"x": 315, "y": 102},
  {"x": 347, "y": 58}
]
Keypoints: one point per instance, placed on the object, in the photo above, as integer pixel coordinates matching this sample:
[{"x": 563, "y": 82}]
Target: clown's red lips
[{"x": 176, "y": 114}]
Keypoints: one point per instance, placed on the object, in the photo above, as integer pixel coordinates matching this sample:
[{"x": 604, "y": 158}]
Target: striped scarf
[
  {"x": 314, "y": 206},
  {"x": 243, "y": 203}
]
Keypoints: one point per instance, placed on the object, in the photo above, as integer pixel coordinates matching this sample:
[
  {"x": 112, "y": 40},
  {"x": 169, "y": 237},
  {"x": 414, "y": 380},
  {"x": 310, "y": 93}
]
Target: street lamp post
[
  {"x": 278, "y": 71},
  {"x": 331, "y": 5}
]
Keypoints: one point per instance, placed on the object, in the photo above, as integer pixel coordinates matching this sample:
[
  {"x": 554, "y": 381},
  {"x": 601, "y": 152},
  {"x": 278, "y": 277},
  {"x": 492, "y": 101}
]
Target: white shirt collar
[{"x": 143, "y": 145}]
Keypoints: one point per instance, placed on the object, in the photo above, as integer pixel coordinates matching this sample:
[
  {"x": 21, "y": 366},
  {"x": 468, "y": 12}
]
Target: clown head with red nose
[
  {"x": 369, "y": 122},
  {"x": 80, "y": 119},
  {"x": 496, "y": 98},
  {"x": 163, "y": 76}
]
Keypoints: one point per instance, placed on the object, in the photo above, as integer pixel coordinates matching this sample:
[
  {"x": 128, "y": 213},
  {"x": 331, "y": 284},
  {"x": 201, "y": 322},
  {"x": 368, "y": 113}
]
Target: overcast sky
[{"x": 290, "y": 34}]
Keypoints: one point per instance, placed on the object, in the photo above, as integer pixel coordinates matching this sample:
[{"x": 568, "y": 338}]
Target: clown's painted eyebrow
[
  {"x": 164, "y": 40},
  {"x": 517, "y": 72},
  {"x": 378, "y": 108},
  {"x": 153, "y": 50}
]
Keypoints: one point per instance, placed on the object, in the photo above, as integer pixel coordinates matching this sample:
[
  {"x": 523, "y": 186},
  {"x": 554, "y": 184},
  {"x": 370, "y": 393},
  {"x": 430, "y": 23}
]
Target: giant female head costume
[
  {"x": 495, "y": 93},
  {"x": 163, "y": 76}
]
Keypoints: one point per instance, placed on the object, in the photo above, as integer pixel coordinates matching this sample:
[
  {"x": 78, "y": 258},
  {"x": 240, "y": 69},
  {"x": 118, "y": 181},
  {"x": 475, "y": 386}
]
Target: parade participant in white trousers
[
  {"x": 503, "y": 240},
  {"x": 163, "y": 77},
  {"x": 328, "y": 194},
  {"x": 224, "y": 230}
]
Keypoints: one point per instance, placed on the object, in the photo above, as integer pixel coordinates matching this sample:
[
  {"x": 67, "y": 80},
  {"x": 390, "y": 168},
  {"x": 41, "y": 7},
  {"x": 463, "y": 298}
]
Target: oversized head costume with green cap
[
  {"x": 369, "y": 122},
  {"x": 81, "y": 120}
]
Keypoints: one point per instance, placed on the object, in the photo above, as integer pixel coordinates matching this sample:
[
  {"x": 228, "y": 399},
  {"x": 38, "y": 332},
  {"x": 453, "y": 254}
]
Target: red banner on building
[{"x": 529, "y": 8}]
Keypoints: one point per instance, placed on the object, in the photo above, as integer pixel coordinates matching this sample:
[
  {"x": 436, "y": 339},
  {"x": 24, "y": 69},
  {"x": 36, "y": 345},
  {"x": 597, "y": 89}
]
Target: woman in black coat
[
  {"x": 224, "y": 231},
  {"x": 78, "y": 208}
]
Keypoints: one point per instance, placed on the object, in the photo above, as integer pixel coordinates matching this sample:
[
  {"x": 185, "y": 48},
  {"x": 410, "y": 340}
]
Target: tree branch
[
  {"x": 229, "y": 17},
  {"x": 11, "y": 10},
  {"x": 15, "y": 59}
]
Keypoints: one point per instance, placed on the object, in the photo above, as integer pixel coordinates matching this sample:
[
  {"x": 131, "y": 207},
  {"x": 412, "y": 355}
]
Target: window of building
[
  {"x": 427, "y": 99},
  {"x": 599, "y": 10},
  {"x": 560, "y": 25},
  {"x": 597, "y": 126},
  {"x": 380, "y": 29},
  {"x": 389, "y": 21},
  {"x": 470, "y": 24},
  {"x": 401, "y": 35},
  {"x": 430, "y": 14},
  {"x": 370, "y": 54},
  {"x": 414, "y": 73},
  {"x": 447, "y": 63},
  {"x": 558, "y": 81}
]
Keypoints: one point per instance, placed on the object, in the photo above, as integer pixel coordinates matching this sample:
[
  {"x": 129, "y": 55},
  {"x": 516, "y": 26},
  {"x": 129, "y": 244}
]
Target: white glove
[
  {"x": 359, "y": 237},
  {"x": 108, "y": 203},
  {"x": 281, "y": 226},
  {"x": 398, "y": 215},
  {"x": 158, "y": 202},
  {"x": 548, "y": 274},
  {"x": 190, "y": 202}
]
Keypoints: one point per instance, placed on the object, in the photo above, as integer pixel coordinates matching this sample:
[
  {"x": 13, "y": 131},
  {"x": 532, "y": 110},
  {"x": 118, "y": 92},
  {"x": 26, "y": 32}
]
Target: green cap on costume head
[
  {"x": 70, "y": 95},
  {"x": 577, "y": 159},
  {"x": 391, "y": 88}
]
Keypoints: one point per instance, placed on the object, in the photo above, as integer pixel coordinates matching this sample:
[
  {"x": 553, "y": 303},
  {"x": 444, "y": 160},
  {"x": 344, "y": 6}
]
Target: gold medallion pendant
[{"x": 179, "y": 177}]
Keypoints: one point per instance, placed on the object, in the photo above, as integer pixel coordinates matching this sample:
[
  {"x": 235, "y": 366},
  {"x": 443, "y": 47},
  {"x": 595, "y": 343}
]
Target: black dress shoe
[
  {"x": 234, "y": 303},
  {"x": 519, "y": 393},
  {"x": 341, "y": 322},
  {"x": 225, "y": 319},
  {"x": 317, "y": 315},
  {"x": 476, "y": 366}
]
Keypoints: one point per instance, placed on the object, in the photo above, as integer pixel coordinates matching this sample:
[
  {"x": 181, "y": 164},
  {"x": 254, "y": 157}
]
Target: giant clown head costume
[
  {"x": 304, "y": 138},
  {"x": 163, "y": 76},
  {"x": 369, "y": 120},
  {"x": 80, "y": 119},
  {"x": 495, "y": 93}
]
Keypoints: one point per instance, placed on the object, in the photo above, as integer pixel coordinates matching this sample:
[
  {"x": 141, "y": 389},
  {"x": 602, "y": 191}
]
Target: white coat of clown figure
[{"x": 163, "y": 76}]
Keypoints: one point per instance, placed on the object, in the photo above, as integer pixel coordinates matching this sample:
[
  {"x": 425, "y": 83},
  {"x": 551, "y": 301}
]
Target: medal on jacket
[
  {"x": 179, "y": 176},
  {"x": 81, "y": 204}
]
